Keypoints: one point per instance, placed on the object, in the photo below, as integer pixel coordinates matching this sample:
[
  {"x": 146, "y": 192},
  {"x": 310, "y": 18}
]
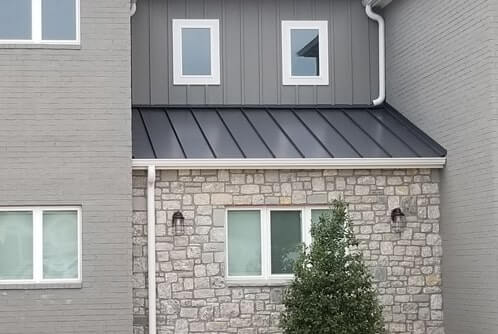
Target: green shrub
[{"x": 332, "y": 292}]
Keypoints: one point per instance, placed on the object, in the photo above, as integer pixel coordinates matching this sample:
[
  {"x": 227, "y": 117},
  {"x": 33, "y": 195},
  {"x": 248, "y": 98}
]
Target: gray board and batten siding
[{"x": 250, "y": 42}]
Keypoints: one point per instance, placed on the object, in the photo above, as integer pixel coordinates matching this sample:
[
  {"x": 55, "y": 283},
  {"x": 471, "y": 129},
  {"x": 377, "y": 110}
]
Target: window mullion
[
  {"x": 37, "y": 245},
  {"x": 36, "y": 20},
  {"x": 265, "y": 243},
  {"x": 306, "y": 224}
]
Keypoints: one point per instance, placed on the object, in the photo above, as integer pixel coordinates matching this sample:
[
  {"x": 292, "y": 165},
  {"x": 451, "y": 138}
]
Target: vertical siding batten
[{"x": 176, "y": 10}]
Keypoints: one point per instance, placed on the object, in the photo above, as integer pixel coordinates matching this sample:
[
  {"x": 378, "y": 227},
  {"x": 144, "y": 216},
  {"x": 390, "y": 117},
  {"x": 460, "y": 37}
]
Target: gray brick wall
[
  {"x": 65, "y": 139},
  {"x": 442, "y": 74},
  {"x": 193, "y": 295}
]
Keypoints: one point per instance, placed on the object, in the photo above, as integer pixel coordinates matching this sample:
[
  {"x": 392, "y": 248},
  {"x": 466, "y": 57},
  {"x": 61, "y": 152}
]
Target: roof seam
[
  {"x": 203, "y": 134},
  {"x": 257, "y": 132},
  {"x": 147, "y": 133},
  {"x": 431, "y": 143},
  {"x": 339, "y": 133},
  {"x": 312, "y": 133},
  {"x": 176, "y": 134},
  {"x": 393, "y": 133},
  {"x": 230, "y": 133},
  {"x": 285, "y": 133},
  {"x": 367, "y": 134}
]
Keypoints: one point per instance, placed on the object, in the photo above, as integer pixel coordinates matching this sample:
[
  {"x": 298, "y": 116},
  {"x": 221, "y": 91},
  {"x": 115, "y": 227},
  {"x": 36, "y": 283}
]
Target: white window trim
[
  {"x": 287, "y": 78},
  {"x": 36, "y": 28},
  {"x": 266, "y": 275},
  {"x": 38, "y": 245},
  {"x": 178, "y": 77}
]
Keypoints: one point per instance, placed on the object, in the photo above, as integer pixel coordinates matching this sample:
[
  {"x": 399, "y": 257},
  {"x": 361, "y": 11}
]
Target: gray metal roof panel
[
  {"x": 335, "y": 143},
  {"x": 207, "y": 132},
  {"x": 272, "y": 134},
  {"x": 217, "y": 133},
  {"x": 249, "y": 141},
  {"x": 299, "y": 134},
  {"x": 190, "y": 136},
  {"x": 162, "y": 136},
  {"x": 141, "y": 146}
]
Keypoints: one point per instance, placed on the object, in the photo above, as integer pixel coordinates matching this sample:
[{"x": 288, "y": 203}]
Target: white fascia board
[{"x": 330, "y": 163}]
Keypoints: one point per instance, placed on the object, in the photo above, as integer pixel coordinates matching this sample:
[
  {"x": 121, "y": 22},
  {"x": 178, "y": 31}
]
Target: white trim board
[
  {"x": 182, "y": 79},
  {"x": 325, "y": 163},
  {"x": 287, "y": 78}
]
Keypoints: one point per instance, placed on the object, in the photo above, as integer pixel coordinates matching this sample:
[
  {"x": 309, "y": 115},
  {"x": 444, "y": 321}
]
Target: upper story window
[
  {"x": 40, "y": 245},
  {"x": 196, "y": 52},
  {"x": 262, "y": 243},
  {"x": 305, "y": 54},
  {"x": 39, "y": 21}
]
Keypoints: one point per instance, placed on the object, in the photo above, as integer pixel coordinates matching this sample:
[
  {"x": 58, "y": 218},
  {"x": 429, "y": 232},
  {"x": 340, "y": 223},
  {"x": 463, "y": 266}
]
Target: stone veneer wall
[{"x": 192, "y": 293}]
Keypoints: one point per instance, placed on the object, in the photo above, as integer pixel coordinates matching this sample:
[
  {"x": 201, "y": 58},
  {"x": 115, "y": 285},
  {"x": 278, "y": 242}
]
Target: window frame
[
  {"x": 37, "y": 214},
  {"x": 37, "y": 28},
  {"x": 265, "y": 221},
  {"x": 214, "y": 28},
  {"x": 323, "y": 39}
]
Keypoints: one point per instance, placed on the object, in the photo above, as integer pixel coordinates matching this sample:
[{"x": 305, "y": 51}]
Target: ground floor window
[
  {"x": 262, "y": 243},
  {"x": 40, "y": 245}
]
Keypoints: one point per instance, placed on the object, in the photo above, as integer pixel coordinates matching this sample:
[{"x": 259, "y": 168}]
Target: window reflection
[{"x": 305, "y": 52}]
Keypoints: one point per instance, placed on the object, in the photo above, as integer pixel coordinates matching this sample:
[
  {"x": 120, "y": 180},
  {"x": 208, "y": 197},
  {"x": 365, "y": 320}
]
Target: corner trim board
[{"x": 317, "y": 163}]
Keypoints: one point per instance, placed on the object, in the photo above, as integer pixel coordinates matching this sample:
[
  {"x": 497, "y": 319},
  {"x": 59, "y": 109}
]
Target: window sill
[
  {"x": 40, "y": 286},
  {"x": 259, "y": 283},
  {"x": 41, "y": 46}
]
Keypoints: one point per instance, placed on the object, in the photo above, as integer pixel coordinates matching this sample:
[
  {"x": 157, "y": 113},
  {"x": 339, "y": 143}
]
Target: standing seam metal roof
[{"x": 228, "y": 132}]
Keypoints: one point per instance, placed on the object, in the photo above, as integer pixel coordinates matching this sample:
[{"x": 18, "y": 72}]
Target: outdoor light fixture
[
  {"x": 398, "y": 220},
  {"x": 178, "y": 222}
]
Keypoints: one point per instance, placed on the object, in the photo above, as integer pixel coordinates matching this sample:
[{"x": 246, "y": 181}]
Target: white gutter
[
  {"x": 151, "y": 245},
  {"x": 326, "y": 163},
  {"x": 382, "y": 54}
]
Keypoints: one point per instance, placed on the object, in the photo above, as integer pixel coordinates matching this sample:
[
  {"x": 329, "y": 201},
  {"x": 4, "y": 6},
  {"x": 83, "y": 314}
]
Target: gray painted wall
[
  {"x": 250, "y": 52},
  {"x": 65, "y": 139},
  {"x": 442, "y": 73}
]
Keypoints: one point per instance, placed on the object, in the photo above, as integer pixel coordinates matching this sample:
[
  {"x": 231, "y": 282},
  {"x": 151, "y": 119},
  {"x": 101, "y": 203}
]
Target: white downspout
[
  {"x": 382, "y": 54},
  {"x": 133, "y": 7},
  {"x": 151, "y": 246}
]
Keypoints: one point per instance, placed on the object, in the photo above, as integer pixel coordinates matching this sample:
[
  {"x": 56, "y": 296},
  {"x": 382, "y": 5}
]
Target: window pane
[
  {"x": 316, "y": 213},
  {"x": 196, "y": 51},
  {"x": 59, "y": 19},
  {"x": 285, "y": 238},
  {"x": 244, "y": 243},
  {"x": 16, "y": 245},
  {"x": 15, "y": 19},
  {"x": 60, "y": 244},
  {"x": 305, "y": 52}
]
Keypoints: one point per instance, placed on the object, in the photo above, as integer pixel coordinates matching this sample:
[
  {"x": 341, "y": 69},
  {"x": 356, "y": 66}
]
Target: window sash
[
  {"x": 178, "y": 77},
  {"x": 323, "y": 58},
  {"x": 36, "y": 28},
  {"x": 265, "y": 221},
  {"x": 38, "y": 245}
]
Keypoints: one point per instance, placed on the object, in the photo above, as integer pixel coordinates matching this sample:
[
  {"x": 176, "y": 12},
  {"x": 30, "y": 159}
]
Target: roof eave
[{"x": 318, "y": 163}]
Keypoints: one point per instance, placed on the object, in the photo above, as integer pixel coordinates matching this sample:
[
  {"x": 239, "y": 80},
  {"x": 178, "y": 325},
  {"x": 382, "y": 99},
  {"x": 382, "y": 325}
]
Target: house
[{"x": 179, "y": 156}]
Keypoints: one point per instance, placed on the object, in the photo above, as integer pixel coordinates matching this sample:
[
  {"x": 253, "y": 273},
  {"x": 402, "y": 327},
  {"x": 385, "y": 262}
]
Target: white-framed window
[
  {"x": 261, "y": 243},
  {"x": 40, "y": 245},
  {"x": 305, "y": 53},
  {"x": 196, "y": 52},
  {"x": 40, "y": 22}
]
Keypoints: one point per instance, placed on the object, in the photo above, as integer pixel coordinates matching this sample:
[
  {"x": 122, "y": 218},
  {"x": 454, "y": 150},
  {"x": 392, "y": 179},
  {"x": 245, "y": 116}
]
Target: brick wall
[
  {"x": 65, "y": 139},
  {"x": 441, "y": 74},
  {"x": 193, "y": 295}
]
